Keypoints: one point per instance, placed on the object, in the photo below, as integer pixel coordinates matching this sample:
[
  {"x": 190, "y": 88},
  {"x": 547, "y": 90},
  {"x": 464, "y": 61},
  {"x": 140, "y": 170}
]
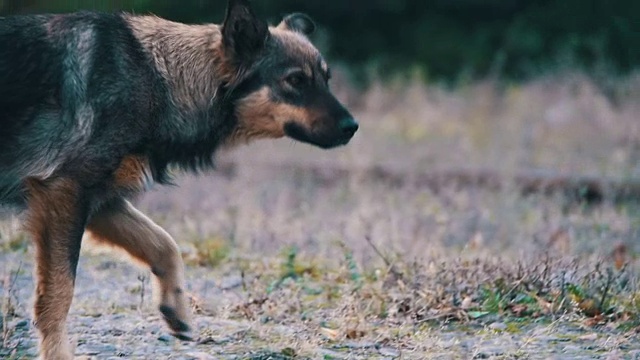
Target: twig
[
  {"x": 375, "y": 248},
  {"x": 142, "y": 278},
  {"x": 245, "y": 307},
  {"x": 457, "y": 314},
  {"x": 389, "y": 264},
  {"x": 606, "y": 289}
]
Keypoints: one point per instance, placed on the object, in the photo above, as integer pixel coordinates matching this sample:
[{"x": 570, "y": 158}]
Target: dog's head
[{"x": 281, "y": 85}]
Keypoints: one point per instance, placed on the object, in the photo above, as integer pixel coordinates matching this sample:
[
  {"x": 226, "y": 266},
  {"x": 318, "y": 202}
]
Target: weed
[
  {"x": 8, "y": 310},
  {"x": 211, "y": 251},
  {"x": 15, "y": 242},
  {"x": 354, "y": 272}
]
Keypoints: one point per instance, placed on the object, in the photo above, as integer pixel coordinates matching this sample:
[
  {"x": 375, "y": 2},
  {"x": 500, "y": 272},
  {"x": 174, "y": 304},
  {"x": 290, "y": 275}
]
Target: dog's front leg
[
  {"x": 56, "y": 218},
  {"x": 122, "y": 225}
]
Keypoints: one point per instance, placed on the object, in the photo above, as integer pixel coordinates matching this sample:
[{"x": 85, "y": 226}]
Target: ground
[{"x": 288, "y": 257}]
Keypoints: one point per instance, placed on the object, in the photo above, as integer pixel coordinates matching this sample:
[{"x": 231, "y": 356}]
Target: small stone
[
  {"x": 634, "y": 354},
  {"x": 448, "y": 343},
  {"x": 498, "y": 326},
  {"x": 572, "y": 349},
  {"x": 388, "y": 351},
  {"x": 231, "y": 282},
  {"x": 95, "y": 349},
  {"x": 614, "y": 355},
  {"x": 489, "y": 352},
  {"x": 330, "y": 354},
  {"x": 488, "y": 319},
  {"x": 22, "y": 324},
  {"x": 589, "y": 337}
]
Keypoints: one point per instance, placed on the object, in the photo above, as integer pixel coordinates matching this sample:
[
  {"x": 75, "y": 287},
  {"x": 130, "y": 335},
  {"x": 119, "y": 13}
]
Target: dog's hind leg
[
  {"x": 56, "y": 218},
  {"x": 124, "y": 226}
]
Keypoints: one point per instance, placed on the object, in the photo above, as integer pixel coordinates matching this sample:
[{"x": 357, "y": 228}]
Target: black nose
[{"x": 348, "y": 126}]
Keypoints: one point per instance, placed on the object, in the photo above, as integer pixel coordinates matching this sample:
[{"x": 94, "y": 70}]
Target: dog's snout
[{"x": 348, "y": 126}]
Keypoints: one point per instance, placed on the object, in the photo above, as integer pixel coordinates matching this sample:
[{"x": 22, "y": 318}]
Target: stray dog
[{"x": 95, "y": 107}]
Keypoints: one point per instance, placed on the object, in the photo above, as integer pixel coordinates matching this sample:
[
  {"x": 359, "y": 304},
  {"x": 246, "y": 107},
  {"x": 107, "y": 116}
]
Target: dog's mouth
[{"x": 327, "y": 140}]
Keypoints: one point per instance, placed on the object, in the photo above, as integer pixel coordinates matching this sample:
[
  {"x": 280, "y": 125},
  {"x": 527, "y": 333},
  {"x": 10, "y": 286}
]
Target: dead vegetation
[{"x": 437, "y": 291}]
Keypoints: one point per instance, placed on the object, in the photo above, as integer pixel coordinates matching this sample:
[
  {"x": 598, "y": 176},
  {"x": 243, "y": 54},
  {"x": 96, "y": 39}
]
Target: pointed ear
[
  {"x": 298, "y": 22},
  {"x": 242, "y": 32}
]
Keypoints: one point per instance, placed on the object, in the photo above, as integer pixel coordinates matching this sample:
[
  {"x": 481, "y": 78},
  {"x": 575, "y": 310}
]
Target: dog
[{"x": 96, "y": 107}]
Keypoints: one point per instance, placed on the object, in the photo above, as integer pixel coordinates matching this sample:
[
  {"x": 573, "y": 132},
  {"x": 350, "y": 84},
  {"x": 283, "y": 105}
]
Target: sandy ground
[{"x": 112, "y": 319}]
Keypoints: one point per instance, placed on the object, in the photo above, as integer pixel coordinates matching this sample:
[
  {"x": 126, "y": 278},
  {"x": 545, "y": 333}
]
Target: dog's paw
[
  {"x": 183, "y": 336},
  {"x": 180, "y": 328}
]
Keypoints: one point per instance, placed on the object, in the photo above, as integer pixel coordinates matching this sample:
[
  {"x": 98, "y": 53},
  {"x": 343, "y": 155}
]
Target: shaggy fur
[{"x": 97, "y": 107}]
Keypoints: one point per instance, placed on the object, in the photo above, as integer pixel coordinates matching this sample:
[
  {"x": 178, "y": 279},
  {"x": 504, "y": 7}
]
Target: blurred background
[
  {"x": 457, "y": 92},
  {"x": 441, "y": 40}
]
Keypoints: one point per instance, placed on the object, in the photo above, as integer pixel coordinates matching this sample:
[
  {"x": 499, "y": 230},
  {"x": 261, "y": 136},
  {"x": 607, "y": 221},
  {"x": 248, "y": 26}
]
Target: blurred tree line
[{"x": 440, "y": 39}]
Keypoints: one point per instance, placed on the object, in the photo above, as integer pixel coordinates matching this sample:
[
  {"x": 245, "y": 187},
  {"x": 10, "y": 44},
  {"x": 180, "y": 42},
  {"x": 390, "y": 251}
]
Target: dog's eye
[{"x": 295, "y": 79}]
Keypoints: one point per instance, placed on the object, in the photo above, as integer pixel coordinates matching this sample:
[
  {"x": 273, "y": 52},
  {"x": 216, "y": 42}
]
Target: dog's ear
[
  {"x": 242, "y": 32},
  {"x": 298, "y": 22}
]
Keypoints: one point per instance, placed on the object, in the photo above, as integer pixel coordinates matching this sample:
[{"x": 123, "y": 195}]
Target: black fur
[
  {"x": 243, "y": 34},
  {"x": 300, "y": 22},
  {"x": 62, "y": 97},
  {"x": 55, "y": 67}
]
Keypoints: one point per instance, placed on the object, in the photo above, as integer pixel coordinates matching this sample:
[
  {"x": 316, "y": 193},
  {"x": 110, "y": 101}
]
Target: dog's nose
[{"x": 348, "y": 126}]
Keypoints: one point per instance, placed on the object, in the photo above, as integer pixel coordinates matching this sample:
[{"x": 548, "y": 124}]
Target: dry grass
[{"x": 358, "y": 265}]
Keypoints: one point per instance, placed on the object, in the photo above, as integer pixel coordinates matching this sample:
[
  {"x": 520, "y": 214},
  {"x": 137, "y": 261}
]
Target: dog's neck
[
  {"x": 188, "y": 57},
  {"x": 191, "y": 61}
]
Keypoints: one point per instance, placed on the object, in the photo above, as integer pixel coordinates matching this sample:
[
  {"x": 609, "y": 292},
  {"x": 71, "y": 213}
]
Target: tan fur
[
  {"x": 192, "y": 59},
  {"x": 129, "y": 229},
  {"x": 324, "y": 66},
  {"x": 133, "y": 173},
  {"x": 297, "y": 44},
  {"x": 259, "y": 117},
  {"x": 189, "y": 57},
  {"x": 50, "y": 220}
]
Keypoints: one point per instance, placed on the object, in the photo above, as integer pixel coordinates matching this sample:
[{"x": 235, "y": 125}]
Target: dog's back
[{"x": 57, "y": 74}]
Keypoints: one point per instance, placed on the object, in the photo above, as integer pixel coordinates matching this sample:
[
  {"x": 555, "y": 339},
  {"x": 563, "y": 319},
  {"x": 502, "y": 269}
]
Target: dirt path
[{"x": 113, "y": 317}]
